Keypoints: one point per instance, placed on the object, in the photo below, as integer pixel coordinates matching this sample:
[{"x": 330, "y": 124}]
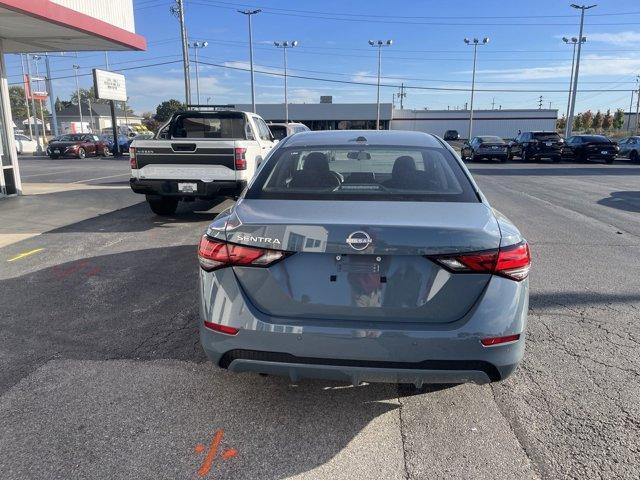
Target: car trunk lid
[{"x": 374, "y": 269}]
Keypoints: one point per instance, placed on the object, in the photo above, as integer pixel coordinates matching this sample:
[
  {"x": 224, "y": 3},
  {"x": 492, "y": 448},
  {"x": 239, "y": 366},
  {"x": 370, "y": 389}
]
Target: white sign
[{"x": 109, "y": 85}]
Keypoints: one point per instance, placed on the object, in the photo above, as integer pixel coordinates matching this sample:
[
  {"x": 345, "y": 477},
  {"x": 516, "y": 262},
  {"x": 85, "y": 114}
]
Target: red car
[{"x": 78, "y": 145}]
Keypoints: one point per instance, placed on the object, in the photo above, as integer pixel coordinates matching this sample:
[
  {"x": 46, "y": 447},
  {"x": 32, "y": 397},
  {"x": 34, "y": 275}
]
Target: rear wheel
[
  {"x": 555, "y": 159},
  {"x": 524, "y": 156},
  {"x": 105, "y": 151},
  {"x": 634, "y": 157},
  {"x": 609, "y": 161},
  {"x": 54, "y": 157},
  {"x": 163, "y": 206},
  {"x": 82, "y": 153}
]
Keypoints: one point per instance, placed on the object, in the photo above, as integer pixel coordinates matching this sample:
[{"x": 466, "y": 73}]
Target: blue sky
[{"x": 525, "y": 52}]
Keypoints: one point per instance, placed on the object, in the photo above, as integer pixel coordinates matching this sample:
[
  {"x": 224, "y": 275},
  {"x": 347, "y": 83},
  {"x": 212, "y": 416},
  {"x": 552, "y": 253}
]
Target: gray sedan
[
  {"x": 630, "y": 148},
  {"x": 368, "y": 257}
]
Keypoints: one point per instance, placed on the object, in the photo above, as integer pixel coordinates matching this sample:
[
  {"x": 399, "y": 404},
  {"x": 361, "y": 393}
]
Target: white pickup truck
[{"x": 199, "y": 154}]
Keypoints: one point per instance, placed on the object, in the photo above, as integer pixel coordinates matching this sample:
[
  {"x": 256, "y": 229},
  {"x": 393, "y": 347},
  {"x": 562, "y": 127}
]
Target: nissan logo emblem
[{"x": 359, "y": 240}]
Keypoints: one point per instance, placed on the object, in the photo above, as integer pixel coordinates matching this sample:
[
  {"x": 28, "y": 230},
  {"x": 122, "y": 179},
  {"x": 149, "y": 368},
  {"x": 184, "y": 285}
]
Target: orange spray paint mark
[
  {"x": 199, "y": 448},
  {"x": 227, "y": 454},
  {"x": 211, "y": 455}
]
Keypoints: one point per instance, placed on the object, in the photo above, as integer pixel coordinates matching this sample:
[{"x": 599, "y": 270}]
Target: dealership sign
[{"x": 109, "y": 85}]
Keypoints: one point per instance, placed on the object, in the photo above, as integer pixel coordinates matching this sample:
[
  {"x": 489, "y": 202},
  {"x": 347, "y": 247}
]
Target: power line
[{"x": 416, "y": 87}]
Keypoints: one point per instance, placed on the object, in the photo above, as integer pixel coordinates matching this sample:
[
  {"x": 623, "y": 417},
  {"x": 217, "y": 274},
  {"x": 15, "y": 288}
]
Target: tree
[
  {"x": 618, "y": 119},
  {"x": 149, "y": 121},
  {"x": 578, "y": 122},
  {"x": 607, "y": 120},
  {"x": 596, "y": 123},
  {"x": 18, "y": 104},
  {"x": 587, "y": 119},
  {"x": 168, "y": 108},
  {"x": 561, "y": 124}
]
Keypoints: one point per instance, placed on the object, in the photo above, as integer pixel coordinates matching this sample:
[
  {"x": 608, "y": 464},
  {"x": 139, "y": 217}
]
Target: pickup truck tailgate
[{"x": 188, "y": 160}]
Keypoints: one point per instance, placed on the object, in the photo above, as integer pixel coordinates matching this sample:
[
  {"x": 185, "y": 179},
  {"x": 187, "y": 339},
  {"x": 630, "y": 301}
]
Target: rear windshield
[
  {"x": 595, "y": 139},
  {"x": 491, "y": 140},
  {"x": 220, "y": 125},
  {"x": 278, "y": 131},
  {"x": 363, "y": 173},
  {"x": 546, "y": 136}
]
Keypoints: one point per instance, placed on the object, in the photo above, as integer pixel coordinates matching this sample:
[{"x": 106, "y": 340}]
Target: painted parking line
[
  {"x": 101, "y": 178},
  {"x": 25, "y": 254}
]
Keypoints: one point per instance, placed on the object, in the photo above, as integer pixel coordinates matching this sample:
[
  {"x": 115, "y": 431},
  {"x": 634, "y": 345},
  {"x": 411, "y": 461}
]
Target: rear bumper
[
  {"x": 491, "y": 154},
  {"x": 169, "y": 188},
  {"x": 359, "y": 351}
]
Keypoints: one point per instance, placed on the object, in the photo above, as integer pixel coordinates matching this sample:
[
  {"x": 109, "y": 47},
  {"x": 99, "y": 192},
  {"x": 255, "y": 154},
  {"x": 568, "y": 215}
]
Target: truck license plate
[{"x": 188, "y": 187}]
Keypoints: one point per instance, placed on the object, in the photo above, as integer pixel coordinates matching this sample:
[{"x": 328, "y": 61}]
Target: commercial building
[
  {"x": 98, "y": 118},
  {"x": 351, "y": 116},
  {"x": 35, "y": 26},
  {"x": 327, "y": 116},
  {"x": 502, "y": 123}
]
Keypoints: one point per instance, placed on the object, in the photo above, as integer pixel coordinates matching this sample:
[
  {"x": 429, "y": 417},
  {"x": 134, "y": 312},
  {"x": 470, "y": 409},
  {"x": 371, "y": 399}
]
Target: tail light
[
  {"x": 214, "y": 254},
  {"x": 240, "y": 159},
  {"x": 511, "y": 262},
  {"x": 132, "y": 158}
]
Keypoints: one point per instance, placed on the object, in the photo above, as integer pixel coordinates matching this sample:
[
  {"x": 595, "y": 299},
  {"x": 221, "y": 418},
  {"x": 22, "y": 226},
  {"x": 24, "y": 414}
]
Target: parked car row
[{"x": 532, "y": 146}]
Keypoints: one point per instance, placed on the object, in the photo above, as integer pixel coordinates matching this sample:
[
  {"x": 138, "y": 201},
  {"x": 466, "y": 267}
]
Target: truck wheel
[{"x": 163, "y": 206}]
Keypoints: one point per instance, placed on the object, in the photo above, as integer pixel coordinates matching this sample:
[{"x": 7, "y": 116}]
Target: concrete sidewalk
[{"x": 46, "y": 206}]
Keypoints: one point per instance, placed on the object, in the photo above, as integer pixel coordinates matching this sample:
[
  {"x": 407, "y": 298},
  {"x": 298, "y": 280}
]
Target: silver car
[{"x": 365, "y": 256}]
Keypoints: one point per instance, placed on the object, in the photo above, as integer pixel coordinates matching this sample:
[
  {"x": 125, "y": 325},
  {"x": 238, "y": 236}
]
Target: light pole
[
  {"x": 284, "y": 45},
  {"x": 637, "y": 106},
  {"x": 475, "y": 42},
  {"x": 196, "y": 46},
  {"x": 33, "y": 109},
  {"x": 52, "y": 100},
  {"x": 582, "y": 8},
  {"x": 26, "y": 95},
  {"x": 379, "y": 44},
  {"x": 36, "y": 59},
  {"x": 75, "y": 74},
  {"x": 574, "y": 42},
  {"x": 249, "y": 14},
  {"x": 177, "y": 9}
]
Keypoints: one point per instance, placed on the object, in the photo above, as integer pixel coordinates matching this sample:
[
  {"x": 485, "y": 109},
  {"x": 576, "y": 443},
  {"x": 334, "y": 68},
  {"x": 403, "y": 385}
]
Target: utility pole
[
  {"x": 249, "y": 14},
  {"x": 33, "y": 110},
  {"x": 582, "y": 9},
  {"x": 177, "y": 9},
  {"x": 630, "y": 107},
  {"x": 36, "y": 59},
  {"x": 574, "y": 42},
  {"x": 75, "y": 74},
  {"x": 106, "y": 60},
  {"x": 26, "y": 95},
  {"x": 402, "y": 96},
  {"x": 196, "y": 46},
  {"x": 493, "y": 103},
  {"x": 637, "y": 106},
  {"x": 284, "y": 46},
  {"x": 379, "y": 44},
  {"x": 52, "y": 101},
  {"x": 540, "y": 101},
  {"x": 475, "y": 44}
]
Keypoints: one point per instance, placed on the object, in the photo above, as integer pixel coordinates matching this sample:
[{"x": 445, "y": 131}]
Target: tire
[
  {"x": 609, "y": 161},
  {"x": 524, "y": 156},
  {"x": 634, "y": 157},
  {"x": 82, "y": 153},
  {"x": 163, "y": 206},
  {"x": 105, "y": 151},
  {"x": 54, "y": 157},
  {"x": 556, "y": 159}
]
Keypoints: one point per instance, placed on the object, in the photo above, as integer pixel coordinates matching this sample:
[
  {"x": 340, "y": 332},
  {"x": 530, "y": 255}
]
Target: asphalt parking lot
[{"x": 102, "y": 375}]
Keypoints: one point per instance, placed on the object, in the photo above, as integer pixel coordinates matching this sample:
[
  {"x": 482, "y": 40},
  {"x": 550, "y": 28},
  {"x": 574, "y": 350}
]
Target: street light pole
[
  {"x": 26, "y": 95},
  {"x": 379, "y": 44},
  {"x": 75, "y": 74},
  {"x": 582, "y": 8},
  {"x": 249, "y": 14},
  {"x": 284, "y": 45},
  {"x": 475, "y": 44},
  {"x": 196, "y": 46},
  {"x": 52, "y": 100},
  {"x": 574, "y": 42},
  {"x": 637, "y": 106}
]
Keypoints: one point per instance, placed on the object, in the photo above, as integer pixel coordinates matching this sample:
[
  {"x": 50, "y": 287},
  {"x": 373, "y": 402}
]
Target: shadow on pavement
[
  {"x": 627, "y": 201},
  {"x": 560, "y": 171}
]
